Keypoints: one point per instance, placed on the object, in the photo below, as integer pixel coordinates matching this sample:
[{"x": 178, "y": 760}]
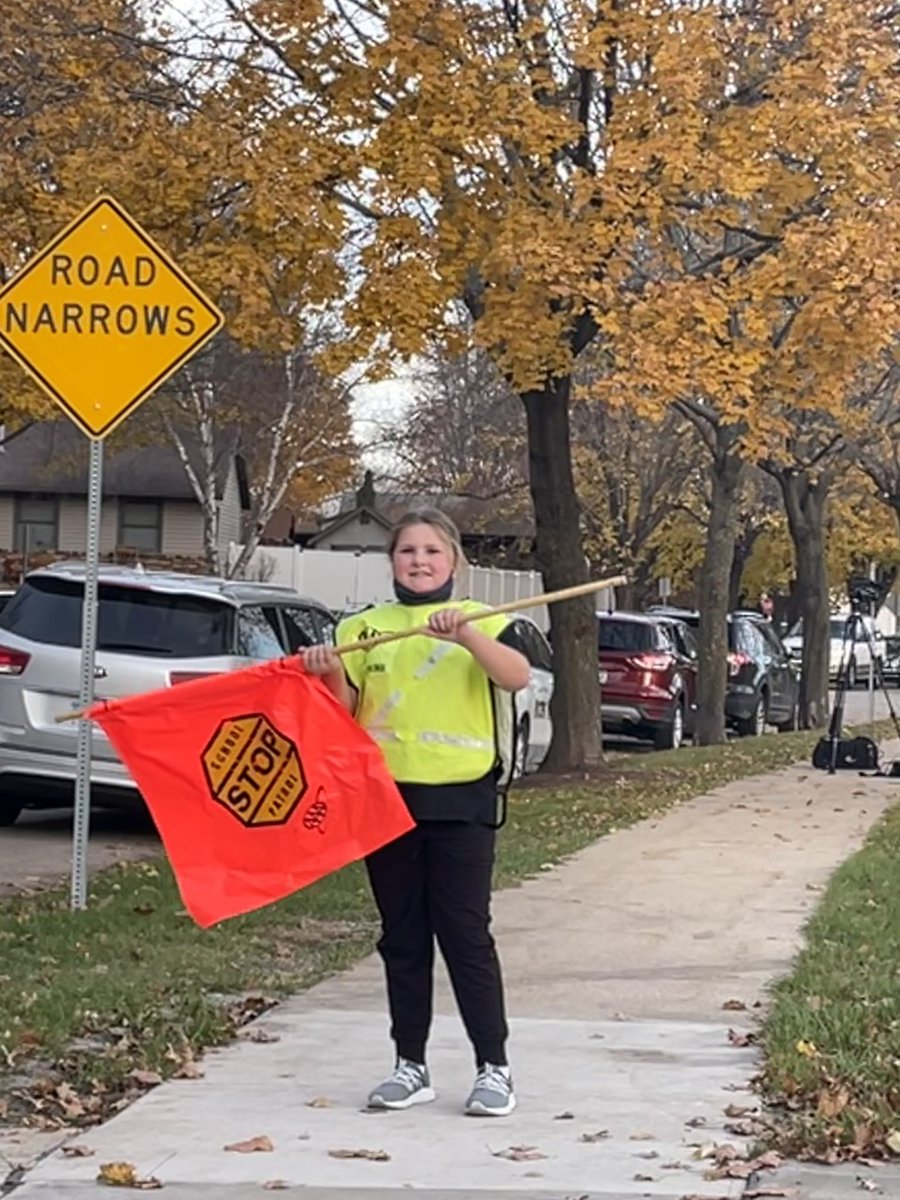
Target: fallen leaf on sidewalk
[
  {"x": 594, "y": 1137},
  {"x": 696, "y": 1122},
  {"x": 124, "y": 1174},
  {"x": 519, "y": 1153},
  {"x": 867, "y": 1185},
  {"x": 642, "y": 1137},
  {"x": 758, "y": 1193},
  {"x": 644, "y": 1178},
  {"x": 734, "y": 1006},
  {"x": 564, "y": 1116},
  {"x": 77, "y": 1152},
  {"x": 648, "y": 1154},
  {"x": 261, "y": 1036},
  {"x": 252, "y": 1145},
  {"x": 741, "y": 1129},
  {"x": 739, "y": 1110},
  {"x": 741, "y": 1037},
  {"x": 189, "y": 1069},
  {"x": 371, "y": 1155},
  {"x": 276, "y": 1185},
  {"x": 318, "y": 1102}
]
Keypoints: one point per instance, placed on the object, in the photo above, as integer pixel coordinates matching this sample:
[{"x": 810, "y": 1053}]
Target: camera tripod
[{"x": 834, "y": 752}]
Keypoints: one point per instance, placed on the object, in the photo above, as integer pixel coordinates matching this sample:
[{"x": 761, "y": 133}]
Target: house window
[
  {"x": 140, "y": 525},
  {"x": 37, "y": 524}
]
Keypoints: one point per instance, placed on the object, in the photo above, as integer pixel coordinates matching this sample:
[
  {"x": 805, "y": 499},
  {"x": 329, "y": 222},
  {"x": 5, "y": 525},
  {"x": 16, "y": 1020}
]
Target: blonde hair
[{"x": 441, "y": 524}]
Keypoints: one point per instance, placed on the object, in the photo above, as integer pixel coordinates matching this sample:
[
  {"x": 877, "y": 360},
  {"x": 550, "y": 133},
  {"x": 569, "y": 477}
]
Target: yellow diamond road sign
[{"x": 102, "y": 316}]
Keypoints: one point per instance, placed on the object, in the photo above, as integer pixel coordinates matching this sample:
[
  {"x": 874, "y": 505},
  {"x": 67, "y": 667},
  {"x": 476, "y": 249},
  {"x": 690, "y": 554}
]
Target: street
[{"x": 36, "y": 851}]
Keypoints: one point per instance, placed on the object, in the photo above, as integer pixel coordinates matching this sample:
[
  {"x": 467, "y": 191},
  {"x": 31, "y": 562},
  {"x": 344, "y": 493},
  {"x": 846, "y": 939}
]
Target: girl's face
[{"x": 422, "y": 559}]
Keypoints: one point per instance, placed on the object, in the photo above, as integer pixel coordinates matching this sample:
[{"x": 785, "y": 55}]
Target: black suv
[{"x": 763, "y": 687}]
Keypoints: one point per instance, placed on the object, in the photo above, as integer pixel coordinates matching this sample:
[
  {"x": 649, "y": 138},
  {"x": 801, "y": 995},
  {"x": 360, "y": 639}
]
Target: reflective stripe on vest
[{"x": 428, "y": 737}]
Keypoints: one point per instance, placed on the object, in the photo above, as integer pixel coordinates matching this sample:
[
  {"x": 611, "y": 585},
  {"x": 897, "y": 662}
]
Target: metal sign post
[{"x": 82, "y": 817}]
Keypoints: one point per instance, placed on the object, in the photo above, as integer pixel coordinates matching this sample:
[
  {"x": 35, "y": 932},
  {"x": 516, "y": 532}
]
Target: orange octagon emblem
[{"x": 254, "y": 771}]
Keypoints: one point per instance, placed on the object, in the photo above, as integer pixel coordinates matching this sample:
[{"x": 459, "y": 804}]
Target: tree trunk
[
  {"x": 715, "y": 582},
  {"x": 577, "y": 734},
  {"x": 804, "y": 502}
]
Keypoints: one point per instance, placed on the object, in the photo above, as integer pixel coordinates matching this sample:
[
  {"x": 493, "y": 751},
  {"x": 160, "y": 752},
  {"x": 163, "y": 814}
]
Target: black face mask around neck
[{"x": 436, "y": 596}]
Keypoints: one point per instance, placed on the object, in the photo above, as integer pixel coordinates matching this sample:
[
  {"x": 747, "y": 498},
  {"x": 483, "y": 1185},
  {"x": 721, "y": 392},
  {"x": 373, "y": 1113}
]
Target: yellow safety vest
[{"x": 427, "y": 702}]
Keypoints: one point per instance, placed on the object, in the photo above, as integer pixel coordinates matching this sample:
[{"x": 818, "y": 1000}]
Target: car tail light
[
  {"x": 651, "y": 662},
  {"x": 188, "y": 676},
  {"x": 13, "y": 662},
  {"x": 738, "y": 660}
]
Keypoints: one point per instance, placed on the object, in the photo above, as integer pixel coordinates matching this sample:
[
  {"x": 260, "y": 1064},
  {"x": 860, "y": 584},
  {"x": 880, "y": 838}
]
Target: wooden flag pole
[{"x": 570, "y": 593}]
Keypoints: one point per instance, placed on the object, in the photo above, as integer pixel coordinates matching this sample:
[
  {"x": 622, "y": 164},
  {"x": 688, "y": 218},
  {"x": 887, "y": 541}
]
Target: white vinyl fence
[{"x": 347, "y": 581}]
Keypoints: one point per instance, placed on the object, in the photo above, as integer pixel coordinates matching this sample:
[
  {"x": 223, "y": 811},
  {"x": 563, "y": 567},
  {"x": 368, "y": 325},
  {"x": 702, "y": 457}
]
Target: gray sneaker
[
  {"x": 408, "y": 1085},
  {"x": 492, "y": 1095}
]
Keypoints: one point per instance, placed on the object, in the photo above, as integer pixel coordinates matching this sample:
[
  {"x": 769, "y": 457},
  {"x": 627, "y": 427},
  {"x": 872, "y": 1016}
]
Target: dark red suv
[{"x": 648, "y": 677}]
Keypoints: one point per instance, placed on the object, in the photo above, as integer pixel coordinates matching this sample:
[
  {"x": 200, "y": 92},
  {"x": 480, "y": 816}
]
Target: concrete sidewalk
[{"x": 619, "y": 967}]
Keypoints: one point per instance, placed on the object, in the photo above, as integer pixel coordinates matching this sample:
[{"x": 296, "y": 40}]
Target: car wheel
[
  {"x": 523, "y": 737},
  {"x": 755, "y": 724},
  {"x": 9, "y": 812},
  {"x": 671, "y": 736}
]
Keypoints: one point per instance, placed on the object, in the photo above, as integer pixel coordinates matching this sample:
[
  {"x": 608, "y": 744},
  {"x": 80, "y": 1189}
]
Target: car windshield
[
  {"x": 625, "y": 635},
  {"x": 130, "y": 620}
]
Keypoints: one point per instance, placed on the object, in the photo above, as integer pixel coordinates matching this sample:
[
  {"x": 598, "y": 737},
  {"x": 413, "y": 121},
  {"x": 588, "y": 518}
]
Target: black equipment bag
[{"x": 845, "y": 754}]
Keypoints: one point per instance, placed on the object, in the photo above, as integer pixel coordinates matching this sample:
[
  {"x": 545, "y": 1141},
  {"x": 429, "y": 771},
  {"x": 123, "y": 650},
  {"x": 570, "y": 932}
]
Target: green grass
[
  {"x": 132, "y": 984},
  {"x": 832, "y": 1035}
]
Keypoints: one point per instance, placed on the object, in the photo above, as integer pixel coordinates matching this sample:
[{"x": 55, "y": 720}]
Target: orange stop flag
[{"x": 259, "y": 782}]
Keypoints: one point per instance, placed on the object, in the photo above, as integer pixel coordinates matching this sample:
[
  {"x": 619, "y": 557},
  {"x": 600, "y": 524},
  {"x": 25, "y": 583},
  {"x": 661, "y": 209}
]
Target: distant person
[
  {"x": 427, "y": 701},
  {"x": 767, "y": 606}
]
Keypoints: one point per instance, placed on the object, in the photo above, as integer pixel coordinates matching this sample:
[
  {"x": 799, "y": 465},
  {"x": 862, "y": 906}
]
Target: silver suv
[{"x": 154, "y": 629}]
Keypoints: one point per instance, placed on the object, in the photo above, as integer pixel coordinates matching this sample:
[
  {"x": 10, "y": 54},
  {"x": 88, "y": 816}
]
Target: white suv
[{"x": 154, "y": 629}]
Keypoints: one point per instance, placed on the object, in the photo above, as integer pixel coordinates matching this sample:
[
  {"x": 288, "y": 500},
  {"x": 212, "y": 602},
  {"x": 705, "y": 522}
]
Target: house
[
  {"x": 496, "y": 531},
  {"x": 148, "y": 503}
]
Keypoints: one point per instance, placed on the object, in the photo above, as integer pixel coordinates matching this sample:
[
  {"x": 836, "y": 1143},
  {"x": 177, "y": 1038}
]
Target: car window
[
  {"x": 772, "y": 640},
  {"x": 258, "y": 633},
  {"x": 543, "y": 655},
  {"x": 130, "y": 619},
  {"x": 301, "y": 627},
  {"x": 685, "y": 641},
  {"x": 666, "y": 638},
  {"x": 625, "y": 635},
  {"x": 748, "y": 639}
]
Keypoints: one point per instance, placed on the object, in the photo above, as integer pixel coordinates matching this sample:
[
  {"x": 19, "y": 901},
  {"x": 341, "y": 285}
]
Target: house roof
[
  {"x": 505, "y": 516},
  {"x": 347, "y": 518},
  {"x": 52, "y": 457}
]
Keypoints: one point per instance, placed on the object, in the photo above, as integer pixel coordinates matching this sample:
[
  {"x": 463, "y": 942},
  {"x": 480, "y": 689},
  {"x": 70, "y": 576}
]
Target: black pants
[{"x": 435, "y": 882}]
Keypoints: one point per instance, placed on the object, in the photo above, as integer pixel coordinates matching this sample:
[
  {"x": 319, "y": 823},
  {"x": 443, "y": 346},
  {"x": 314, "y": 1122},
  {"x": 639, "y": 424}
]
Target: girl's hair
[{"x": 438, "y": 522}]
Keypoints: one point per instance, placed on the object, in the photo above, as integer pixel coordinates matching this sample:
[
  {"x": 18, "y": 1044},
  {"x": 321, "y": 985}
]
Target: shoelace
[
  {"x": 408, "y": 1074},
  {"x": 493, "y": 1079}
]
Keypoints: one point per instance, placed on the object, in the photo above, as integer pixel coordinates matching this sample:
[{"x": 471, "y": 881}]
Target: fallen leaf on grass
[
  {"x": 594, "y": 1137},
  {"x": 146, "y": 1078},
  {"x": 124, "y": 1174},
  {"x": 371, "y": 1155},
  {"x": 318, "y": 1102},
  {"x": 519, "y": 1153},
  {"x": 77, "y": 1152},
  {"x": 252, "y": 1145},
  {"x": 189, "y": 1069},
  {"x": 892, "y": 1141},
  {"x": 71, "y": 1103}
]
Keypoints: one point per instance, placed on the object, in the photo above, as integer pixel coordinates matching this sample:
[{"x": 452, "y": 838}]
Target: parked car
[
  {"x": 891, "y": 661},
  {"x": 648, "y": 677},
  {"x": 154, "y": 629},
  {"x": 534, "y": 727},
  {"x": 763, "y": 687},
  {"x": 859, "y": 657},
  {"x": 6, "y": 594}
]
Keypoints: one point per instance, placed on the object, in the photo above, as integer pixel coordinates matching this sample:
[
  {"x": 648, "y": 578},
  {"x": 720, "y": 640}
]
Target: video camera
[{"x": 865, "y": 595}]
